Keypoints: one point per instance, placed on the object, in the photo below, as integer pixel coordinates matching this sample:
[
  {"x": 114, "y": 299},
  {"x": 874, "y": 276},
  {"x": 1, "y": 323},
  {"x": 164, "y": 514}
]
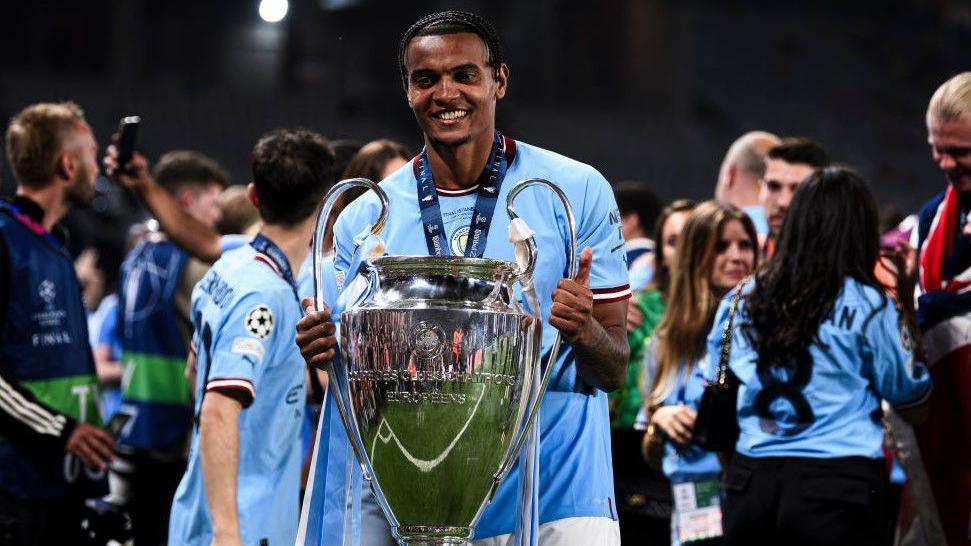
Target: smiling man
[
  {"x": 944, "y": 307},
  {"x": 453, "y": 75}
]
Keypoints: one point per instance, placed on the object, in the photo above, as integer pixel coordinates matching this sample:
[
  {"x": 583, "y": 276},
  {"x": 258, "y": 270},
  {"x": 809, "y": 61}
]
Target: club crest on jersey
[
  {"x": 458, "y": 240},
  {"x": 259, "y": 321}
]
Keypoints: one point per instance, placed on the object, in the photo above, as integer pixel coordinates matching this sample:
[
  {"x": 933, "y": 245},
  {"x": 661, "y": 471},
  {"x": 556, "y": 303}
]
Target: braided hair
[{"x": 452, "y": 22}]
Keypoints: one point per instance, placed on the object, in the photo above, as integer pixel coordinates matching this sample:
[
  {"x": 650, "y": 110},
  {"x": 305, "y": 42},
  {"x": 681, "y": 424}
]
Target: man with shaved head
[{"x": 741, "y": 170}]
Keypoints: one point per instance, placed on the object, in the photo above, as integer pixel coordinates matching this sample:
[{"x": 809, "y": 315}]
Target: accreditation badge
[{"x": 697, "y": 510}]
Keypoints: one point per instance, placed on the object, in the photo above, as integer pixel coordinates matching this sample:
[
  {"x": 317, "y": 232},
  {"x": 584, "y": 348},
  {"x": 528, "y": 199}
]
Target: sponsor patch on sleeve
[
  {"x": 259, "y": 321},
  {"x": 248, "y": 346}
]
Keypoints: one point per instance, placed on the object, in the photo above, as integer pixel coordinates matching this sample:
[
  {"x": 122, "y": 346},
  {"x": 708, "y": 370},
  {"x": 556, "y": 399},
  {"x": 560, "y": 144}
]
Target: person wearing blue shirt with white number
[
  {"x": 816, "y": 345},
  {"x": 718, "y": 248},
  {"x": 243, "y": 477}
]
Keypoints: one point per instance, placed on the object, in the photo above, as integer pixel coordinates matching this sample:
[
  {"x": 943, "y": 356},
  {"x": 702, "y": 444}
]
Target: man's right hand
[
  {"x": 92, "y": 445},
  {"x": 134, "y": 175},
  {"x": 316, "y": 335}
]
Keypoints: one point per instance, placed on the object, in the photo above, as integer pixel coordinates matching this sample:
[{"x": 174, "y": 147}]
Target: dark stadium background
[{"x": 650, "y": 90}]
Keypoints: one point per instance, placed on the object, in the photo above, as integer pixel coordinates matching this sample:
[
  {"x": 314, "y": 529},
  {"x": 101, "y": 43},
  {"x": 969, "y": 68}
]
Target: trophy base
[{"x": 414, "y": 535}]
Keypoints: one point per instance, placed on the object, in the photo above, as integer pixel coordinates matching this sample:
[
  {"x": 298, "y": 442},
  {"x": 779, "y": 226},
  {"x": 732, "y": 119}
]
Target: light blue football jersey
[
  {"x": 862, "y": 356},
  {"x": 244, "y": 313},
  {"x": 576, "y": 478},
  {"x": 757, "y": 214}
]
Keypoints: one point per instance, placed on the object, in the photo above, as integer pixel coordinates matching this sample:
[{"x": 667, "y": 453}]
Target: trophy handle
[
  {"x": 320, "y": 230},
  {"x": 526, "y": 257},
  {"x": 337, "y": 377}
]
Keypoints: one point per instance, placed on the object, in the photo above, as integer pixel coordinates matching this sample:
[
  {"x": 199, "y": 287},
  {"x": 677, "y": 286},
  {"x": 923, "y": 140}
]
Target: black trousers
[
  {"x": 643, "y": 494},
  {"x": 806, "y": 502},
  {"x": 36, "y": 522}
]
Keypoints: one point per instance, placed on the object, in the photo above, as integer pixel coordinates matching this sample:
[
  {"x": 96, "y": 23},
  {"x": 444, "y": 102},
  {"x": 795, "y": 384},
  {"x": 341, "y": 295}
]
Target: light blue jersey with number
[
  {"x": 575, "y": 477},
  {"x": 244, "y": 314},
  {"x": 861, "y": 357}
]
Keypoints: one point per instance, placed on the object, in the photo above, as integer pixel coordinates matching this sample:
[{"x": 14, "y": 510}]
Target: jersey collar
[
  {"x": 29, "y": 214},
  {"x": 268, "y": 253},
  {"x": 508, "y": 144}
]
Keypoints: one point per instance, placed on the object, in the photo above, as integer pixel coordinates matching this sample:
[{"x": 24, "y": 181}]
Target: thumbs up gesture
[{"x": 572, "y": 310}]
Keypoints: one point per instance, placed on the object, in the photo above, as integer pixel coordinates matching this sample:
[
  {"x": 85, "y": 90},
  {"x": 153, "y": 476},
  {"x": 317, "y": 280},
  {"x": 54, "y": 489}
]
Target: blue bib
[
  {"x": 154, "y": 388},
  {"x": 45, "y": 347}
]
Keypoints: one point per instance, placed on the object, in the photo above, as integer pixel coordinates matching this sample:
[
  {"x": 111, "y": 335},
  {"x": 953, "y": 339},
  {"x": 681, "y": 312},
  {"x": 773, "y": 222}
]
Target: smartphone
[
  {"x": 127, "y": 131},
  {"x": 117, "y": 423}
]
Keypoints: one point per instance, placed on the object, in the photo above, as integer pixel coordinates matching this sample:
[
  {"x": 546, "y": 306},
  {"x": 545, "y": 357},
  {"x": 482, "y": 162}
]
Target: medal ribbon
[{"x": 490, "y": 182}]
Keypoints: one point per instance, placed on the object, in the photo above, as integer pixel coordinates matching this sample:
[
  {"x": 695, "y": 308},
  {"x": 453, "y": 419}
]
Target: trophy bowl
[
  {"x": 437, "y": 380},
  {"x": 439, "y": 358}
]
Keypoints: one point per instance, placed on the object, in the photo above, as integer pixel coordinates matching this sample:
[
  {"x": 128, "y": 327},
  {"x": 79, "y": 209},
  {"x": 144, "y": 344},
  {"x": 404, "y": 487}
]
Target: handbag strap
[{"x": 722, "y": 373}]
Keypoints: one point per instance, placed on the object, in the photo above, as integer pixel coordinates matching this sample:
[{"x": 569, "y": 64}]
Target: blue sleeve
[
  {"x": 740, "y": 346},
  {"x": 352, "y": 226},
  {"x": 108, "y": 332},
  {"x": 343, "y": 242},
  {"x": 698, "y": 379},
  {"x": 305, "y": 278},
  {"x": 240, "y": 345},
  {"x": 233, "y": 241},
  {"x": 889, "y": 362},
  {"x": 599, "y": 229}
]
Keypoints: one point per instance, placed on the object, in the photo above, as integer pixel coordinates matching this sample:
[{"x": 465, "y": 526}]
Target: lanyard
[
  {"x": 490, "y": 182},
  {"x": 278, "y": 260},
  {"x": 33, "y": 226}
]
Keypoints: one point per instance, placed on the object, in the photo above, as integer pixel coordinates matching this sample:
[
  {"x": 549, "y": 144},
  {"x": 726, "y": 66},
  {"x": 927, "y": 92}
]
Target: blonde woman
[{"x": 717, "y": 249}]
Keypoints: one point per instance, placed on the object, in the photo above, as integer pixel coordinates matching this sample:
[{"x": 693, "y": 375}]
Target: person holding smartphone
[{"x": 155, "y": 329}]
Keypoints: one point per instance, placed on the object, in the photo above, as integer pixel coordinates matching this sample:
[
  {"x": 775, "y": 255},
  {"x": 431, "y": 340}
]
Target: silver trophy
[{"x": 438, "y": 382}]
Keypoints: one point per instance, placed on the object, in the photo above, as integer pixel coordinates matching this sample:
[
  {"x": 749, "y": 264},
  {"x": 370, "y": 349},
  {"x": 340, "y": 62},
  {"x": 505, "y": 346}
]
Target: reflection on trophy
[{"x": 438, "y": 381}]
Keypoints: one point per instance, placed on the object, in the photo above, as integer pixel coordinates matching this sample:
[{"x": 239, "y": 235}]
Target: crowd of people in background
[{"x": 851, "y": 353}]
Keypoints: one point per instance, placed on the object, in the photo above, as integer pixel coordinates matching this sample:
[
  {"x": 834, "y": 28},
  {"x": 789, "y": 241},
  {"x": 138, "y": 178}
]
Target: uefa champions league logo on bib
[{"x": 47, "y": 292}]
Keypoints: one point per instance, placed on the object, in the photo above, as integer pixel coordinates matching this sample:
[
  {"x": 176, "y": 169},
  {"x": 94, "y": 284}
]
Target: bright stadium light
[{"x": 273, "y": 11}]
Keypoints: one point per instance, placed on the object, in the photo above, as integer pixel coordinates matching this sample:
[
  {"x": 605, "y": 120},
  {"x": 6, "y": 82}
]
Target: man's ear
[
  {"x": 66, "y": 165},
  {"x": 502, "y": 80},
  {"x": 732, "y": 176},
  {"x": 185, "y": 197},
  {"x": 251, "y": 193}
]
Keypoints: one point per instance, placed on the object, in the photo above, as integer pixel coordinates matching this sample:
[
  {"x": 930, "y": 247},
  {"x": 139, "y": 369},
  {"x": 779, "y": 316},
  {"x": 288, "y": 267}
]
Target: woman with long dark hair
[
  {"x": 816, "y": 345},
  {"x": 716, "y": 250}
]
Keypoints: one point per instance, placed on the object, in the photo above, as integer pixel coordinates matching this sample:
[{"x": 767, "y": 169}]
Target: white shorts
[
  {"x": 568, "y": 532},
  {"x": 586, "y": 531}
]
